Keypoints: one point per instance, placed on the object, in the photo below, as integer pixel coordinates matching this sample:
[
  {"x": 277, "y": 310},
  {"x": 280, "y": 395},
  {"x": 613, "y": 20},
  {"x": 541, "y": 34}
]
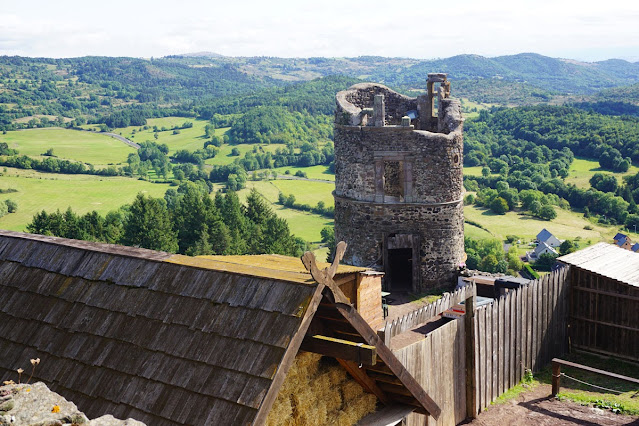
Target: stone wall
[
  {"x": 441, "y": 227},
  {"x": 360, "y": 96},
  {"x": 437, "y": 161}
]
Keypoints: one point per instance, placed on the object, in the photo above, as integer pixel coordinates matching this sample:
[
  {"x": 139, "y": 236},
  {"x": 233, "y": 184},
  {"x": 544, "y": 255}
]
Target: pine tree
[{"x": 149, "y": 225}]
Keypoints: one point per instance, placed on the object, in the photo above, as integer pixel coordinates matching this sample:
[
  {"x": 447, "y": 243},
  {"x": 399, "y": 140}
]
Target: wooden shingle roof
[
  {"x": 129, "y": 332},
  {"x": 169, "y": 339}
]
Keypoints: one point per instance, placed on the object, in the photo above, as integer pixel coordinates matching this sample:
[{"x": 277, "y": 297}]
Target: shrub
[{"x": 12, "y": 206}]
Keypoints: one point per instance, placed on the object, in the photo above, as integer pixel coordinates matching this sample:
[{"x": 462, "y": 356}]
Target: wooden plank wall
[
  {"x": 522, "y": 330},
  {"x": 604, "y": 315},
  {"x": 423, "y": 314},
  {"x": 438, "y": 363}
]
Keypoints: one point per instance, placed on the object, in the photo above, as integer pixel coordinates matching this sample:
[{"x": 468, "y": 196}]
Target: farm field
[
  {"x": 224, "y": 155},
  {"x": 567, "y": 225},
  {"x": 581, "y": 170},
  {"x": 320, "y": 172},
  {"x": 473, "y": 171},
  {"x": 302, "y": 224},
  {"x": 84, "y": 193},
  {"x": 87, "y": 147},
  {"x": 191, "y": 139},
  {"x": 307, "y": 192}
]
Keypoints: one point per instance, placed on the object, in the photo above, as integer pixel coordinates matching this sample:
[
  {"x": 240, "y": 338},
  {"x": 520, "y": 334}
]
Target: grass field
[
  {"x": 88, "y": 147},
  {"x": 191, "y": 139},
  {"x": 307, "y": 192},
  {"x": 567, "y": 225},
  {"x": 224, "y": 155},
  {"x": 302, "y": 224},
  {"x": 476, "y": 233},
  {"x": 84, "y": 193},
  {"x": 473, "y": 171},
  {"x": 314, "y": 172},
  {"x": 581, "y": 170}
]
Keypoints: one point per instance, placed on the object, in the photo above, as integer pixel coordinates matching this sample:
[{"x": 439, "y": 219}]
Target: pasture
[
  {"x": 581, "y": 170},
  {"x": 83, "y": 193},
  {"x": 302, "y": 224},
  {"x": 307, "y": 192},
  {"x": 87, "y": 147},
  {"x": 567, "y": 225},
  {"x": 320, "y": 172},
  {"x": 224, "y": 154}
]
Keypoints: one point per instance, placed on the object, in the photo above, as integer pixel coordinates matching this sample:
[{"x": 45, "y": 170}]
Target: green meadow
[
  {"x": 87, "y": 147},
  {"x": 307, "y": 192},
  {"x": 83, "y": 193},
  {"x": 567, "y": 225},
  {"x": 320, "y": 172},
  {"x": 581, "y": 170},
  {"x": 224, "y": 155},
  {"x": 302, "y": 224}
]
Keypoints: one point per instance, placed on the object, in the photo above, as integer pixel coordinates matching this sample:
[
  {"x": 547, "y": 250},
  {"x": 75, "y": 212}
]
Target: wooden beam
[
  {"x": 607, "y": 324},
  {"x": 359, "y": 374},
  {"x": 469, "y": 328},
  {"x": 557, "y": 361},
  {"x": 358, "y": 353},
  {"x": 556, "y": 377},
  {"x": 419, "y": 395},
  {"x": 289, "y": 358},
  {"x": 389, "y": 359}
]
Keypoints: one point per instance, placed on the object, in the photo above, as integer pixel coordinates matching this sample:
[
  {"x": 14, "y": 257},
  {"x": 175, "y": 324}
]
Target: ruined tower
[{"x": 399, "y": 183}]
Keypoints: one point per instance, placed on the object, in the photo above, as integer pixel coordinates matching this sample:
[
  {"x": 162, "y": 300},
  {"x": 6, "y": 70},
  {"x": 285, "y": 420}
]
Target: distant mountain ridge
[{"x": 554, "y": 74}]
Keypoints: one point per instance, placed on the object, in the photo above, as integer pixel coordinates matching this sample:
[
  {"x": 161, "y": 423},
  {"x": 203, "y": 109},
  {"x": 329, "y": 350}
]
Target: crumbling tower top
[{"x": 376, "y": 105}]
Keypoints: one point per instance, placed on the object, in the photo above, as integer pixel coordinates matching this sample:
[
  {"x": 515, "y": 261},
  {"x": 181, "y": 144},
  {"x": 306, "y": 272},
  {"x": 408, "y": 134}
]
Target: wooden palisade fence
[{"x": 525, "y": 329}]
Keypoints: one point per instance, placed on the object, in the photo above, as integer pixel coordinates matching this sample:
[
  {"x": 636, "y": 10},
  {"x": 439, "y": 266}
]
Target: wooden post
[
  {"x": 556, "y": 376},
  {"x": 471, "y": 386}
]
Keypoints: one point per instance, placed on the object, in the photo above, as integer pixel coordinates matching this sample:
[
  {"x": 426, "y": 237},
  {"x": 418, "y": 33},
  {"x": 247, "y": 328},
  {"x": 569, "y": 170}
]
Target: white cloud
[{"x": 328, "y": 28}]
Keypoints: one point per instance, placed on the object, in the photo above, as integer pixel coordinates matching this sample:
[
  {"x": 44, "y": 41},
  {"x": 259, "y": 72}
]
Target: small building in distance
[
  {"x": 542, "y": 248},
  {"x": 399, "y": 183},
  {"x": 624, "y": 242},
  {"x": 547, "y": 237},
  {"x": 604, "y": 300},
  {"x": 619, "y": 236}
]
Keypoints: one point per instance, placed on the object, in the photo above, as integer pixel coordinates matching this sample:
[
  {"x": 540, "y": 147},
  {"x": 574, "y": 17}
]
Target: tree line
[{"x": 186, "y": 220}]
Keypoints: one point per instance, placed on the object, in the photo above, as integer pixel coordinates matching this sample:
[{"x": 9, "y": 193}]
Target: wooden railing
[{"x": 425, "y": 313}]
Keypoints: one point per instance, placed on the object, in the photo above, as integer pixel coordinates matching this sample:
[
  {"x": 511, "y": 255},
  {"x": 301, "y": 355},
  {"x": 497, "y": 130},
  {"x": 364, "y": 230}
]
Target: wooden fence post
[
  {"x": 556, "y": 376},
  {"x": 471, "y": 386}
]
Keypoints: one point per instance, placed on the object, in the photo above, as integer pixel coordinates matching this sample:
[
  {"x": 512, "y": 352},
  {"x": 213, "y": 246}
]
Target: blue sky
[{"x": 584, "y": 30}]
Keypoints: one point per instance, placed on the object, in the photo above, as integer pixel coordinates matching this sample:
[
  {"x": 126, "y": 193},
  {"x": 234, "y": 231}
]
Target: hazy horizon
[{"x": 580, "y": 30}]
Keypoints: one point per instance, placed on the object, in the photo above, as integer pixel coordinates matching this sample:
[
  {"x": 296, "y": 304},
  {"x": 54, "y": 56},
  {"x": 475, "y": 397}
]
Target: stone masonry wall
[
  {"x": 361, "y": 96},
  {"x": 437, "y": 161},
  {"x": 363, "y": 225}
]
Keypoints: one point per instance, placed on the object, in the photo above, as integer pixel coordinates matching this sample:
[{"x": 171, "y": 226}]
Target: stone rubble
[{"x": 36, "y": 405}]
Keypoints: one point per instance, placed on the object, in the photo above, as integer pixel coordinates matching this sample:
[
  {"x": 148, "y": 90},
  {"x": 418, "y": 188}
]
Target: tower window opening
[{"x": 393, "y": 182}]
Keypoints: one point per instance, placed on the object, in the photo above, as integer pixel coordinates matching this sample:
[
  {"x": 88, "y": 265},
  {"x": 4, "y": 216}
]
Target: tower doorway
[
  {"x": 401, "y": 262},
  {"x": 400, "y": 269}
]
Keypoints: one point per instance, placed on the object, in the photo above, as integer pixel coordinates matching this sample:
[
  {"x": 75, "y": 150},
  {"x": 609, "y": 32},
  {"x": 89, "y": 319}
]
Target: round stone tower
[{"x": 399, "y": 183}]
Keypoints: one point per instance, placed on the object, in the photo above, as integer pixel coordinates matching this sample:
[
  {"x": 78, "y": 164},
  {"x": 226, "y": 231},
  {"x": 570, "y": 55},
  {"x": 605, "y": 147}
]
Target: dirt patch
[{"x": 536, "y": 407}]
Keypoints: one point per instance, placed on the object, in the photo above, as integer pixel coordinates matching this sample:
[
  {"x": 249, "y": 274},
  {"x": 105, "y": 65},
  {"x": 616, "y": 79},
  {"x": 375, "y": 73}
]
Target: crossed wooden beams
[{"x": 373, "y": 356}]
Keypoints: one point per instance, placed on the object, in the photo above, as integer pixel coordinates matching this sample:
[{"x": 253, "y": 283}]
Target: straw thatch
[{"x": 317, "y": 392}]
